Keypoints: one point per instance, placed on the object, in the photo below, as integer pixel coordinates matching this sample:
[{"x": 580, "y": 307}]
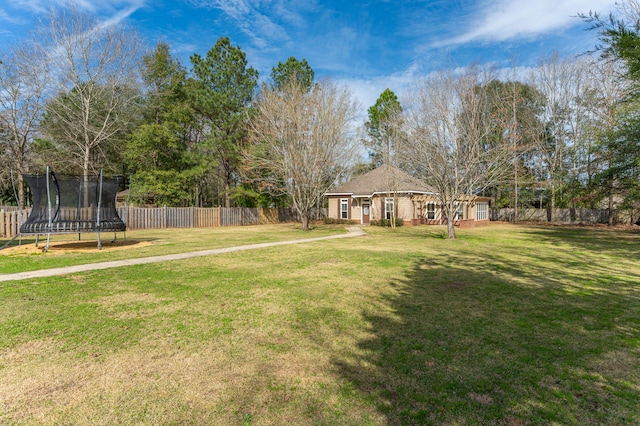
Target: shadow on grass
[
  {"x": 601, "y": 240},
  {"x": 466, "y": 345}
]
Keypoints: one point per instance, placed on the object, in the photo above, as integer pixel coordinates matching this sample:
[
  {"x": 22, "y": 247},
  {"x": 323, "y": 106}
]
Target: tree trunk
[
  {"x": 305, "y": 221},
  {"x": 85, "y": 177},
  {"x": 20, "y": 185},
  {"x": 610, "y": 223},
  {"x": 227, "y": 194},
  {"x": 515, "y": 196},
  {"x": 85, "y": 165},
  {"x": 553, "y": 203},
  {"x": 451, "y": 231}
]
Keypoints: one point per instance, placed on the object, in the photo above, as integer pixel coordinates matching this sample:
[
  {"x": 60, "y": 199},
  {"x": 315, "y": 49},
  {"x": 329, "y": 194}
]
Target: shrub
[
  {"x": 387, "y": 222},
  {"x": 334, "y": 221}
]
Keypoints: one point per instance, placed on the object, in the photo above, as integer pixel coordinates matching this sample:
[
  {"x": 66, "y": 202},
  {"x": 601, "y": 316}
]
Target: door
[{"x": 365, "y": 213}]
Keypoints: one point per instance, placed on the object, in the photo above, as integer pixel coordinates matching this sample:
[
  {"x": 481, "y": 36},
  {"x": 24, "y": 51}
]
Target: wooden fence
[
  {"x": 10, "y": 221},
  {"x": 175, "y": 217},
  {"x": 200, "y": 217},
  {"x": 565, "y": 215}
]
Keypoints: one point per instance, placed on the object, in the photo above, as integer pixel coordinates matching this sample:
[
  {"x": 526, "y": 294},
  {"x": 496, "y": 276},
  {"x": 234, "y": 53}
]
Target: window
[
  {"x": 388, "y": 208},
  {"x": 431, "y": 211},
  {"x": 460, "y": 211},
  {"x": 482, "y": 211},
  {"x": 344, "y": 208}
]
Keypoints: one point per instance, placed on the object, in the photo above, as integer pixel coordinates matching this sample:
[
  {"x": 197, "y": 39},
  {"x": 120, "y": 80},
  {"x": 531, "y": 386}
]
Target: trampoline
[{"x": 70, "y": 204}]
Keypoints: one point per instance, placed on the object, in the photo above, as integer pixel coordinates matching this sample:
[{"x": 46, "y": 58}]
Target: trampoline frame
[{"x": 54, "y": 225}]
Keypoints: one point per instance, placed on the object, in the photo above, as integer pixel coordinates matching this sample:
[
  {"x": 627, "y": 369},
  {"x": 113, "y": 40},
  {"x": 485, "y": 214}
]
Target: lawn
[
  {"x": 67, "y": 249},
  {"x": 506, "y": 325}
]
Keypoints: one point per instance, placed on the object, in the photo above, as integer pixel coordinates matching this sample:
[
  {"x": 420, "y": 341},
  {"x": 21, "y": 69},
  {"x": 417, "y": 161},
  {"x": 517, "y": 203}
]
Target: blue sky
[{"x": 367, "y": 44}]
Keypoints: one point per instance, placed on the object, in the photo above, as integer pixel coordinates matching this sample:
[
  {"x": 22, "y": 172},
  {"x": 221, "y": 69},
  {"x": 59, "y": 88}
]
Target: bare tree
[
  {"x": 23, "y": 82},
  {"x": 610, "y": 85},
  {"x": 302, "y": 141},
  {"x": 560, "y": 80},
  {"x": 447, "y": 132},
  {"x": 94, "y": 66}
]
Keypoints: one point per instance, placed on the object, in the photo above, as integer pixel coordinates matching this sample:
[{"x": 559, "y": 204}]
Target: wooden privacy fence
[
  {"x": 203, "y": 217},
  {"x": 174, "y": 217},
  {"x": 565, "y": 215},
  {"x": 10, "y": 221}
]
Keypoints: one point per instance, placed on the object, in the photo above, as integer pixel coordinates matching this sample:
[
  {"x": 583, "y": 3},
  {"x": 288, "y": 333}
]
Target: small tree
[
  {"x": 292, "y": 71},
  {"x": 385, "y": 141},
  {"x": 23, "y": 82},
  {"x": 514, "y": 108},
  {"x": 95, "y": 78},
  {"x": 447, "y": 132},
  {"x": 302, "y": 141}
]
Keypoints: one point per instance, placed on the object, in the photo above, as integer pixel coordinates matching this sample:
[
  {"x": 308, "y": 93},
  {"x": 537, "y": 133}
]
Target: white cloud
[
  {"x": 92, "y": 6},
  {"x": 123, "y": 14},
  {"x": 263, "y": 22},
  {"x": 514, "y": 19},
  {"x": 367, "y": 90},
  {"x": 12, "y": 19}
]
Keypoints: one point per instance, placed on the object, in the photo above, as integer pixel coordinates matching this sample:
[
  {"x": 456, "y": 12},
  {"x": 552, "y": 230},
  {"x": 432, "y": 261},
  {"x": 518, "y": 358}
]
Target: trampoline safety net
[{"x": 69, "y": 204}]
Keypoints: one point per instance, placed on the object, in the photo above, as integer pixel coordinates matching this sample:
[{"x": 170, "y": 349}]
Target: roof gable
[{"x": 380, "y": 180}]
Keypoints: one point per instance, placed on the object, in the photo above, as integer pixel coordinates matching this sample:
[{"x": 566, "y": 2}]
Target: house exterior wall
[
  {"x": 403, "y": 209},
  {"x": 333, "y": 208},
  {"x": 479, "y": 205},
  {"x": 356, "y": 212},
  {"x": 354, "y": 208},
  {"x": 410, "y": 211}
]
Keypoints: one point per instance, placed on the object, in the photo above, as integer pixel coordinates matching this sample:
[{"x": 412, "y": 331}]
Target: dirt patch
[
  {"x": 61, "y": 247},
  {"x": 481, "y": 398}
]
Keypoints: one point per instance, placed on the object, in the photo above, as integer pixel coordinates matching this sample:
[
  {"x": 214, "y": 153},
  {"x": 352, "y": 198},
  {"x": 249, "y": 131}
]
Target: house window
[
  {"x": 344, "y": 208},
  {"x": 482, "y": 211},
  {"x": 388, "y": 208},
  {"x": 431, "y": 211},
  {"x": 459, "y": 211}
]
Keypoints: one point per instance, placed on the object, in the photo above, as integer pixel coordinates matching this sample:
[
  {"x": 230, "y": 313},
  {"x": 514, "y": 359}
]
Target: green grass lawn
[
  {"x": 506, "y": 325},
  {"x": 67, "y": 250}
]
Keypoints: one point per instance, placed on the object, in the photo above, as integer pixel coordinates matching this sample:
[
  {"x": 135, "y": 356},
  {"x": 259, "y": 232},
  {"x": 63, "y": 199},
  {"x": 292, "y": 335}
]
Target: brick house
[{"x": 374, "y": 195}]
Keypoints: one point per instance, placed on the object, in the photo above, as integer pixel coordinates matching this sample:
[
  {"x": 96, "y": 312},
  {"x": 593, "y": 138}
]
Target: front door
[{"x": 365, "y": 213}]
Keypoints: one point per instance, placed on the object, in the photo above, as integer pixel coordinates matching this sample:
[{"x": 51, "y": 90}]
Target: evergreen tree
[{"x": 223, "y": 87}]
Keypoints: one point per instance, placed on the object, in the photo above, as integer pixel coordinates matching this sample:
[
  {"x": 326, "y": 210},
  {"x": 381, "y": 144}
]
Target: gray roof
[{"x": 380, "y": 180}]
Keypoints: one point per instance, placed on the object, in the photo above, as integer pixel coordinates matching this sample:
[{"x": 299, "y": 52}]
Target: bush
[
  {"x": 387, "y": 222},
  {"x": 333, "y": 221}
]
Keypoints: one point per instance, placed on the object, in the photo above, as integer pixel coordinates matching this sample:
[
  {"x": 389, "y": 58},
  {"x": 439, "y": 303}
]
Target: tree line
[{"x": 81, "y": 96}]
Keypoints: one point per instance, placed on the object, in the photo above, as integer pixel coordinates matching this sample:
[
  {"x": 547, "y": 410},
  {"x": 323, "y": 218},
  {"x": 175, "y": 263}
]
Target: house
[{"x": 372, "y": 196}]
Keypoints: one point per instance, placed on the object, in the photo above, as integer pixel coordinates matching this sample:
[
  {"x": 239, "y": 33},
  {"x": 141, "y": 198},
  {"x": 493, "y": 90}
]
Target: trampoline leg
[
  {"x": 99, "y": 242},
  {"x": 115, "y": 237},
  {"x": 46, "y": 247},
  {"x": 37, "y": 239}
]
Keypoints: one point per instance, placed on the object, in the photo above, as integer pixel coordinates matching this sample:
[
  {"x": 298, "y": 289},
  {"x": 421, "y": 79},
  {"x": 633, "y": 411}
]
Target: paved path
[{"x": 354, "y": 231}]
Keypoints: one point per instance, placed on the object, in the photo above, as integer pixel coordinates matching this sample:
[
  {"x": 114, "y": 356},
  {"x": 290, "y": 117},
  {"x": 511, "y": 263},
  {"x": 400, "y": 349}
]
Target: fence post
[{"x": 14, "y": 223}]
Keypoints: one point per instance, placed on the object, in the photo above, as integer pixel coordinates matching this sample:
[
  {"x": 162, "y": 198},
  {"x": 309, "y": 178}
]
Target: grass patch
[
  {"x": 67, "y": 251},
  {"x": 506, "y": 325}
]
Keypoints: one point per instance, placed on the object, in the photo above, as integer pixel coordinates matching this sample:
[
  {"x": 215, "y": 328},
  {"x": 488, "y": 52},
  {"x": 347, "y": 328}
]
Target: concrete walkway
[{"x": 353, "y": 231}]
